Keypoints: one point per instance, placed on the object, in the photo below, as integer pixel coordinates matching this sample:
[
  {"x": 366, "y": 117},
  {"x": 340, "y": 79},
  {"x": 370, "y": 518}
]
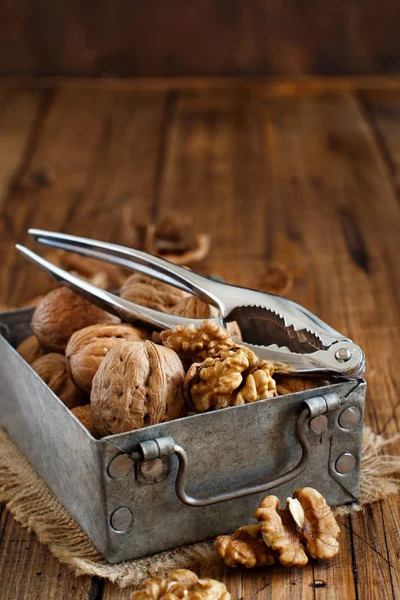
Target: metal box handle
[{"x": 166, "y": 446}]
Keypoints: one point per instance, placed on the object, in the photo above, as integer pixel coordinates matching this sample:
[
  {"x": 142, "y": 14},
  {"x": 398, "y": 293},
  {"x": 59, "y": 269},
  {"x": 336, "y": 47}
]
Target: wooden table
[{"x": 306, "y": 173}]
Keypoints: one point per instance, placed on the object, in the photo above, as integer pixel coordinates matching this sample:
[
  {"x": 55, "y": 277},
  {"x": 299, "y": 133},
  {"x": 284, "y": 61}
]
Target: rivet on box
[
  {"x": 350, "y": 417},
  {"x": 152, "y": 470},
  {"x": 120, "y": 466},
  {"x": 319, "y": 424},
  {"x": 345, "y": 463},
  {"x": 121, "y": 519}
]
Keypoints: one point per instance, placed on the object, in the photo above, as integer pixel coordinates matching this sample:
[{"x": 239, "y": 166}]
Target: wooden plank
[
  {"x": 303, "y": 84},
  {"x": 18, "y": 112},
  {"x": 213, "y": 168},
  {"x": 200, "y": 38},
  {"x": 30, "y": 571},
  {"x": 382, "y": 109}
]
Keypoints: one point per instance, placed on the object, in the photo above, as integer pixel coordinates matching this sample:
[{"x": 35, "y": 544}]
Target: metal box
[{"x": 122, "y": 489}]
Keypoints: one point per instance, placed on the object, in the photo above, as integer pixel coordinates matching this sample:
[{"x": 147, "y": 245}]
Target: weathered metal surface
[{"x": 227, "y": 450}]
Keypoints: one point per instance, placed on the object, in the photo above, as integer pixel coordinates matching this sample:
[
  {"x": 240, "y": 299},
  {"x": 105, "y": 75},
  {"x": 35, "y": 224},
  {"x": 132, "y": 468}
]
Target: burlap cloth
[{"x": 35, "y": 507}]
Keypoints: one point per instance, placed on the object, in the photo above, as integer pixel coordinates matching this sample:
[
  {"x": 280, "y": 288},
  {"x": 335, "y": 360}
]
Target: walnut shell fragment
[
  {"x": 137, "y": 384},
  {"x": 232, "y": 377},
  {"x": 152, "y": 293},
  {"x": 60, "y": 313},
  {"x": 277, "y": 279},
  {"x": 87, "y": 348},
  {"x": 174, "y": 239},
  {"x": 286, "y": 384},
  {"x": 305, "y": 526},
  {"x": 180, "y": 584},
  {"x": 53, "y": 369},
  {"x": 84, "y": 414},
  {"x": 245, "y": 547},
  {"x": 30, "y": 349}
]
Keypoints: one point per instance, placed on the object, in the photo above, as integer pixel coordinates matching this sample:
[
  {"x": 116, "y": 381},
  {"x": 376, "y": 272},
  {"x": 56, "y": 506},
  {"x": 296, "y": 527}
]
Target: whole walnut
[
  {"x": 84, "y": 414},
  {"x": 137, "y": 384},
  {"x": 286, "y": 384},
  {"x": 60, "y": 314},
  {"x": 87, "y": 348},
  {"x": 30, "y": 349},
  {"x": 53, "y": 369},
  {"x": 232, "y": 377},
  {"x": 150, "y": 292},
  {"x": 180, "y": 584}
]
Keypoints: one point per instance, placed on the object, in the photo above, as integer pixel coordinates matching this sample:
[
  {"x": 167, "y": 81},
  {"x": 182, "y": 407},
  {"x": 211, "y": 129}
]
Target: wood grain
[
  {"x": 30, "y": 571},
  {"x": 257, "y": 37},
  {"x": 17, "y": 125},
  {"x": 307, "y": 179}
]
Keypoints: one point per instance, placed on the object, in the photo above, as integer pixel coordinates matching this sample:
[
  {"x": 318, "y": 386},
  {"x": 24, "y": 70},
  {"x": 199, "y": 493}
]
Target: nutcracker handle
[{"x": 166, "y": 446}]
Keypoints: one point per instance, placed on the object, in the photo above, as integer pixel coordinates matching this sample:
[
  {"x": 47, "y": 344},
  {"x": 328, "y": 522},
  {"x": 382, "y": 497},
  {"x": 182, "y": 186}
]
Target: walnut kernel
[
  {"x": 181, "y": 584},
  {"x": 234, "y": 376},
  {"x": 286, "y": 384},
  {"x": 60, "y": 313},
  {"x": 196, "y": 344},
  {"x": 305, "y": 526},
  {"x": 245, "y": 547}
]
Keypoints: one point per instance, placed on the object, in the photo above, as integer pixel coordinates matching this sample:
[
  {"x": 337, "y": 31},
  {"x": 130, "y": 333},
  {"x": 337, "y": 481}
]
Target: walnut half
[
  {"x": 245, "y": 547},
  {"x": 195, "y": 344},
  {"x": 234, "y": 376},
  {"x": 180, "y": 584},
  {"x": 305, "y": 526}
]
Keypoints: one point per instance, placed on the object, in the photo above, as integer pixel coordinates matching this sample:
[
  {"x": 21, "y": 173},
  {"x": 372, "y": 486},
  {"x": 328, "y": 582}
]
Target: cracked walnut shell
[
  {"x": 245, "y": 547},
  {"x": 180, "y": 584},
  {"x": 234, "y": 376},
  {"x": 305, "y": 526},
  {"x": 53, "y": 369},
  {"x": 87, "y": 348},
  {"x": 60, "y": 313},
  {"x": 137, "y": 384},
  {"x": 30, "y": 349},
  {"x": 150, "y": 292}
]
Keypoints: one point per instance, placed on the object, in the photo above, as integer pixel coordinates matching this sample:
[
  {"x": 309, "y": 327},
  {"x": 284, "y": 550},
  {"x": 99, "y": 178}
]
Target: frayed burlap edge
[{"x": 35, "y": 507}]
